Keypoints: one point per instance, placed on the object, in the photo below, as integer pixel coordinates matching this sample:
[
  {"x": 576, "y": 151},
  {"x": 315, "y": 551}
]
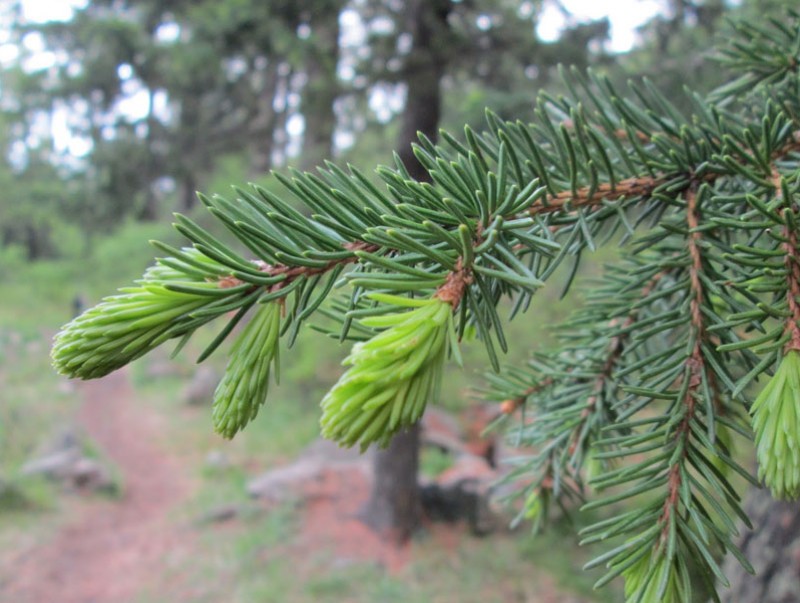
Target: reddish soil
[
  {"x": 330, "y": 522},
  {"x": 122, "y": 550},
  {"x": 108, "y": 548}
]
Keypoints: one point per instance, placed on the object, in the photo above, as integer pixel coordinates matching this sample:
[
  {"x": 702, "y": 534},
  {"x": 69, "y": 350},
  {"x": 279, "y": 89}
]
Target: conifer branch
[
  {"x": 641, "y": 186},
  {"x": 651, "y": 376},
  {"x": 695, "y": 366},
  {"x": 616, "y": 348}
]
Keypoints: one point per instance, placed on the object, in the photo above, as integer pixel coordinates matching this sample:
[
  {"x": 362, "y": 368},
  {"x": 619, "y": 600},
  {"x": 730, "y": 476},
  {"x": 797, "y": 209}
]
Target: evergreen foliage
[{"x": 654, "y": 377}]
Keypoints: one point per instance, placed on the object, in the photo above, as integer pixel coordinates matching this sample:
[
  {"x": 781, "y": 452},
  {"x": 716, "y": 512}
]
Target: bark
[
  {"x": 195, "y": 152},
  {"x": 264, "y": 122},
  {"x": 148, "y": 211},
  {"x": 37, "y": 242},
  {"x": 773, "y": 547},
  {"x": 423, "y": 73},
  {"x": 188, "y": 192},
  {"x": 322, "y": 87},
  {"x": 395, "y": 506}
]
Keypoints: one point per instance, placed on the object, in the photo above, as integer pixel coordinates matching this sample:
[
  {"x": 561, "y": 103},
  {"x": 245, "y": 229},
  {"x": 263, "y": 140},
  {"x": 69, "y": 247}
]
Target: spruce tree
[{"x": 688, "y": 344}]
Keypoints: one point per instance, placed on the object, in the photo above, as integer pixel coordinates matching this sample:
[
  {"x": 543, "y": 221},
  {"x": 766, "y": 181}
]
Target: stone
[
  {"x": 57, "y": 465},
  {"x": 62, "y": 459},
  {"x": 229, "y": 512},
  {"x": 89, "y": 474},
  {"x": 477, "y": 419},
  {"x": 332, "y": 452},
  {"x": 288, "y": 482},
  {"x": 468, "y": 467},
  {"x": 200, "y": 390},
  {"x": 441, "y": 429},
  {"x": 220, "y": 514},
  {"x": 217, "y": 460},
  {"x": 465, "y": 500}
]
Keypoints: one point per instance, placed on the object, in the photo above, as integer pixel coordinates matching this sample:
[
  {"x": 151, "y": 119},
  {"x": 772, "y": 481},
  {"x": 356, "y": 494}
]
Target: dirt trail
[{"x": 109, "y": 549}]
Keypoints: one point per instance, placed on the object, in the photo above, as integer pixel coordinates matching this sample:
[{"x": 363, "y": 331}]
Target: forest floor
[
  {"x": 109, "y": 547},
  {"x": 143, "y": 546}
]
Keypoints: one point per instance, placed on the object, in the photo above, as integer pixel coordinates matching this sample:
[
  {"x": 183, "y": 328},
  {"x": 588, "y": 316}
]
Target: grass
[
  {"x": 36, "y": 404},
  {"x": 255, "y": 562}
]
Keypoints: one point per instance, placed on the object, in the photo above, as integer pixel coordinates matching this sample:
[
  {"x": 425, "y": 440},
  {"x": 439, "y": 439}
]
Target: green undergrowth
[
  {"x": 39, "y": 297},
  {"x": 36, "y": 403},
  {"x": 262, "y": 559}
]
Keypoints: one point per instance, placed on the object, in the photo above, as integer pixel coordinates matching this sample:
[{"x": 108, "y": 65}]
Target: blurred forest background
[{"x": 111, "y": 119}]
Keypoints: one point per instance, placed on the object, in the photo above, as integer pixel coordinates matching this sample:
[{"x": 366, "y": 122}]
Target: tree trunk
[
  {"x": 148, "y": 211},
  {"x": 322, "y": 88},
  {"x": 773, "y": 548},
  {"x": 423, "y": 73},
  {"x": 395, "y": 507},
  {"x": 188, "y": 191},
  {"x": 37, "y": 242},
  {"x": 262, "y": 128}
]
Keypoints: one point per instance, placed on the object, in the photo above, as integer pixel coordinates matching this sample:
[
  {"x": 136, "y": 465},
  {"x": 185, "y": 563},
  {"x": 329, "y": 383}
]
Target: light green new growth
[
  {"x": 171, "y": 300},
  {"x": 776, "y": 422},
  {"x": 392, "y": 375},
  {"x": 650, "y": 386},
  {"x": 653, "y": 578},
  {"x": 245, "y": 384}
]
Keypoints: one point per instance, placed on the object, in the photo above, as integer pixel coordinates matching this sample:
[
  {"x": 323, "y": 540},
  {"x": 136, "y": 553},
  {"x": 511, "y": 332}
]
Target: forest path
[{"x": 109, "y": 549}]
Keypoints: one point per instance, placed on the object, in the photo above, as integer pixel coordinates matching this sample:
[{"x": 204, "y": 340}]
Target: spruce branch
[
  {"x": 650, "y": 380},
  {"x": 776, "y": 410}
]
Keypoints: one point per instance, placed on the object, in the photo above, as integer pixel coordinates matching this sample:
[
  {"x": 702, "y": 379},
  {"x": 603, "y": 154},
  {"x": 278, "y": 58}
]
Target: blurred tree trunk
[
  {"x": 188, "y": 190},
  {"x": 192, "y": 152},
  {"x": 395, "y": 507},
  {"x": 38, "y": 244},
  {"x": 773, "y": 548},
  {"x": 148, "y": 211},
  {"x": 322, "y": 87},
  {"x": 263, "y": 125}
]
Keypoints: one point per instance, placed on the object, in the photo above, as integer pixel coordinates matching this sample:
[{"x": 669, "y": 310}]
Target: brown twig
[
  {"x": 791, "y": 261},
  {"x": 636, "y": 186},
  {"x": 695, "y": 365},
  {"x": 453, "y": 288},
  {"x": 292, "y": 273},
  {"x": 589, "y": 196},
  {"x": 510, "y": 405}
]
